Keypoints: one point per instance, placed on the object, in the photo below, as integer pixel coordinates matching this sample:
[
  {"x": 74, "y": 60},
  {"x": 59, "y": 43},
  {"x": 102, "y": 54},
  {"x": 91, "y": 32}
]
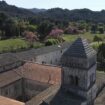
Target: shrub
[
  {"x": 51, "y": 42},
  {"x": 97, "y": 38},
  {"x": 55, "y": 33}
]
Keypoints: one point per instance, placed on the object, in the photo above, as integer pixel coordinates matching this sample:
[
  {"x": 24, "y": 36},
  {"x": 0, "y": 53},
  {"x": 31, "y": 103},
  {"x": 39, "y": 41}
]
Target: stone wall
[
  {"x": 13, "y": 90},
  {"x": 91, "y": 76},
  {"x": 40, "y": 98},
  {"x": 7, "y": 67},
  {"x": 81, "y": 74},
  {"x": 23, "y": 89},
  {"x": 32, "y": 88},
  {"x": 86, "y": 82},
  {"x": 50, "y": 58}
]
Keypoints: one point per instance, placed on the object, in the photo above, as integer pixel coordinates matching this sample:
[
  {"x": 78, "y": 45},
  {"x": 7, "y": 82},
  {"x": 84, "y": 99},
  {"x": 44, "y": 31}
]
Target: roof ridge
[
  {"x": 80, "y": 48},
  {"x": 85, "y": 46}
]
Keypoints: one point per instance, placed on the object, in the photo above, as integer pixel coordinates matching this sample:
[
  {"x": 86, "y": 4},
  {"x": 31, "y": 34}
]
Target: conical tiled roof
[{"x": 80, "y": 48}]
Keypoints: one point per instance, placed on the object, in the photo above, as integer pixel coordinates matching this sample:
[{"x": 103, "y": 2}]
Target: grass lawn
[
  {"x": 95, "y": 45},
  {"x": 88, "y": 36},
  {"x": 17, "y": 44}
]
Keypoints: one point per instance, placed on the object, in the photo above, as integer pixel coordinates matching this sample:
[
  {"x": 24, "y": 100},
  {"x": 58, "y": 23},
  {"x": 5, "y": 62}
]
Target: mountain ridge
[{"x": 54, "y": 13}]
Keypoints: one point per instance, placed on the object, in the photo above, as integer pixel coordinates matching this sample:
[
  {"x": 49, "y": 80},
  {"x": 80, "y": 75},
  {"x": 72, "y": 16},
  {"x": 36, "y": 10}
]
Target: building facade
[{"x": 79, "y": 70}]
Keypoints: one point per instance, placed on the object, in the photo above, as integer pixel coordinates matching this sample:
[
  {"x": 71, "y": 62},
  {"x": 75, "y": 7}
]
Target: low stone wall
[
  {"x": 11, "y": 66},
  {"x": 37, "y": 100},
  {"x": 32, "y": 88},
  {"x": 13, "y": 90},
  {"x": 8, "y": 101}
]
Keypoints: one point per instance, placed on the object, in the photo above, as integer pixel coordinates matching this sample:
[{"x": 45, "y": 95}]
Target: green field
[
  {"x": 95, "y": 45},
  {"x": 17, "y": 44},
  {"x": 88, "y": 36}
]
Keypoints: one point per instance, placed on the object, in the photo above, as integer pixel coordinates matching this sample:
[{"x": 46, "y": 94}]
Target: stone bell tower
[{"x": 79, "y": 69}]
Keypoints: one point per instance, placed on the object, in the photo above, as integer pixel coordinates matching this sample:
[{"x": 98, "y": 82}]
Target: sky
[{"x": 95, "y": 5}]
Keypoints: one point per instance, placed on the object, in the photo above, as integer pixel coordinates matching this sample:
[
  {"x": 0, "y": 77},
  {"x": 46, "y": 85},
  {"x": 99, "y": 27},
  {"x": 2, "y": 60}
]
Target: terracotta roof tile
[
  {"x": 42, "y": 73},
  {"x": 7, "y": 101},
  {"x": 37, "y": 72},
  {"x": 8, "y": 77}
]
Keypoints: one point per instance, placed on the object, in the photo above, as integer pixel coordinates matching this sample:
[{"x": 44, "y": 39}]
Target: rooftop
[
  {"x": 80, "y": 48},
  {"x": 9, "y": 58},
  {"x": 39, "y": 76},
  {"x": 32, "y": 71},
  {"x": 8, "y": 77},
  {"x": 8, "y": 101}
]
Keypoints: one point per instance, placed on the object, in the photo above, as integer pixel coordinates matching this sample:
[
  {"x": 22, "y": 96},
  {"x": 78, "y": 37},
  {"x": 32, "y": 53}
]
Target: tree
[
  {"x": 56, "y": 32},
  {"x": 31, "y": 28},
  {"x": 3, "y": 18},
  {"x": 101, "y": 56},
  {"x": 94, "y": 28},
  {"x": 72, "y": 30},
  {"x": 22, "y": 26},
  {"x": 11, "y": 28},
  {"x": 30, "y": 37},
  {"x": 101, "y": 49},
  {"x": 82, "y": 25},
  {"x": 44, "y": 29},
  {"x": 101, "y": 30}
]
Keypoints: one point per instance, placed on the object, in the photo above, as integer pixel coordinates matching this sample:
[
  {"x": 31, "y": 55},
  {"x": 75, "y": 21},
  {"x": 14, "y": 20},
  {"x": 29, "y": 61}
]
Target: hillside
[
  {"x": 14, "y": 11},
  {"x": 54, "y": 13},
  {"x": 74, "y": 15},
  {"x": 35, "y": 10}
]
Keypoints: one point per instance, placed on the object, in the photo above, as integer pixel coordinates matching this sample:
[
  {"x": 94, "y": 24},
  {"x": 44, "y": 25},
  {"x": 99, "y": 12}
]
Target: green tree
[
  {"x": 22, "y": 26},
  {"x": 32, "y": 28},
  {"x": 44, "y": 29},
  {"x": 101, "y": 57},
  {"x": 11, "y": 29},
  {"x": 101, "y": 49},
  {"x": 101, "y": 30},
  {"x": 3, "y": 18},
  {"x": 94, "y": 28}
]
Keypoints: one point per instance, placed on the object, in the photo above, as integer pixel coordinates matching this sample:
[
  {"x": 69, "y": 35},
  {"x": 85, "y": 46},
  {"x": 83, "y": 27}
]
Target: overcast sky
[{"x": 96, "y": 5}]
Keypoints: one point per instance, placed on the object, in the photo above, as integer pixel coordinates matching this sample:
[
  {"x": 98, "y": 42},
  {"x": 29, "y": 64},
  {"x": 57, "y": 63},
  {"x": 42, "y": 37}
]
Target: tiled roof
[
  {"x": 80, "y": 48},
  {"x": 8, "y": 77},
  {"x": 8, "y": 101},
  {"x": 32, "y": 71},
  {"x": 27, "y": 55},
  {"x": 8, "y": 58},
  {"x": 41, "y": 73}
]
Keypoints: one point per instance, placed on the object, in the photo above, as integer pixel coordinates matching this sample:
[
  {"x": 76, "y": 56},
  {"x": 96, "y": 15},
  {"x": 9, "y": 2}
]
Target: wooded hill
[{"x": 54, "y": 13}]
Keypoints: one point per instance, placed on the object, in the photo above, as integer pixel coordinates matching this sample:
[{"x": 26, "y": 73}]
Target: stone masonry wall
[
  {"x": 12, "y": 90},
  {"x": 50, "y": 58}
]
